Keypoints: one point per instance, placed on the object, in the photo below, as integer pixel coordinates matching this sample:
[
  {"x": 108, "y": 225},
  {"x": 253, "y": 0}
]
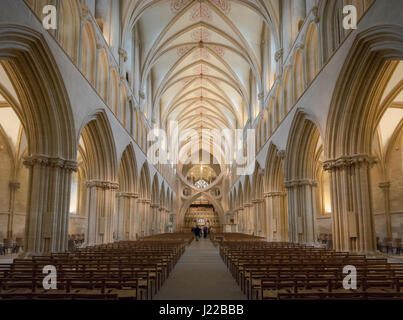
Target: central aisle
[{"x": 200, "y": 274}]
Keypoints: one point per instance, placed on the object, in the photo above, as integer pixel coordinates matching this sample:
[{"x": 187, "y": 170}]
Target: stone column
[
  {"x": 241, "y": 220},
  {"x": 141, "y": 217},
  {"x": 249, "y": 218},
  {"x": 268, "y": 214},
  {"x": 277, "y": 219},
  {"x": 101, "y": 210},
  {"x": 261, "y": 218},
  {"x": 126, "y": 219},
  {"x": 148, "y": 217},
  {"x": 385, "y": 186},
  {"x": 165, "y": 227},
  {"x": 165, "y": 221},
  {"x": 14, "y": 186},
  {"x": 352, "y": 217},
  {"x": 172, "y": 218},
  {"x": 153, "y": 218},
  {"x": 47, "y": 221},
  {"x": 258, "y": 225},
  {"x": 161, "y": 219},
  {"x": 133, "y": 217},
  {"x": 120, "y": 228},
  {"x": 302, "y": 210},
  {"x": 255, "y": 219}
]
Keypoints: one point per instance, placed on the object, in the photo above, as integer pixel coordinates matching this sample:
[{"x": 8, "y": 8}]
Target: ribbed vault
[{"x": 201, "y": 61}]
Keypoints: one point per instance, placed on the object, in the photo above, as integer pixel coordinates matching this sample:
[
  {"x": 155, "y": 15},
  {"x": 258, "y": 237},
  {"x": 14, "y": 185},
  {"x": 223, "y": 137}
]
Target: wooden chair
[{"x": 396, "y": 245}]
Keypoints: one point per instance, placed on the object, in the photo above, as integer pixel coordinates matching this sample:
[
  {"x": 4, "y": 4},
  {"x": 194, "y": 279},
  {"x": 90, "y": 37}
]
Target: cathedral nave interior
[{"x": 129, "y": 123}]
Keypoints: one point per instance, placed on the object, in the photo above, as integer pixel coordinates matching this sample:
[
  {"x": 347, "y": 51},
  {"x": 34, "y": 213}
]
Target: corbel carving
[
  {"x": 123, "y": 54},
  {"x": 278, "y": 55},
  {"x": 349, "y": 161}
]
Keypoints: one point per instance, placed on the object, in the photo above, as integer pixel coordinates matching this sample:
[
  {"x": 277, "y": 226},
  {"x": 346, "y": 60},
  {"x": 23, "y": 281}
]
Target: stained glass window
[{"x": 201, "y": 184}]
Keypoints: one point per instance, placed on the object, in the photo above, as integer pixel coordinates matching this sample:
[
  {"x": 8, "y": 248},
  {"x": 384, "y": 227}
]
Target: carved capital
[
  {"x": 301, "y": 182},
  {"x": 46, "y": 161},
  {"x": 106, "y": 185},
  {"x": 349, "y": 161},
  {"x": 384, "y": 185},
  {"x": 275, "y": 194},
  {"x": 128, "y": 195},
  {"x": 281, "y": 154},
  {"x": 257, "y": 201}
]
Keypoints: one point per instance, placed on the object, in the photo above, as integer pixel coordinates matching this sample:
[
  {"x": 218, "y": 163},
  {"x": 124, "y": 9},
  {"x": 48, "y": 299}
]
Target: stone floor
[{"x": 200, "y": 274}]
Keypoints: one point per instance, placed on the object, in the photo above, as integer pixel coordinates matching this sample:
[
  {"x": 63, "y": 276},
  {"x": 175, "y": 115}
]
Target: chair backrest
[
  {"x": 8, "y": 243},
  {"x": 396, "y": 242}
]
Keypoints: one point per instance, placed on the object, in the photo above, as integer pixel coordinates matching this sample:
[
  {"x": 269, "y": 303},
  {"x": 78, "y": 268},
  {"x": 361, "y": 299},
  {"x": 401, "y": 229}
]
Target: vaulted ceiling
[{"x": 202, "y": 59}]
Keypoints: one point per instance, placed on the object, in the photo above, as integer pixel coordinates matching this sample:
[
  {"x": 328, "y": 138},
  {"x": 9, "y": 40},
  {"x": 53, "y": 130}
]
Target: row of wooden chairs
[
  {"x": 132, "y": 270},
  {"x": 278, "y": 270},
  {"x": 10, "y": 246},
  {"x": 390, "y": 245}
]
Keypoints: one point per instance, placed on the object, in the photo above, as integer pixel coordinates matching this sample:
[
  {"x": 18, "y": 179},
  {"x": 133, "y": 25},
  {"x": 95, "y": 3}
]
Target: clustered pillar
[
  {"x": 249, "y": 217},
  {"x": 100, "y": 208},
  {"x": 277, "y": 220},
  {"x": 385, "y": 186},
  {"x": 47, "y": 219},
  {"x": 14, "y": 186},
  {"x": 126, "y": 216},
  {"x": 259, "y": 226},
  {"x": 302, "y": 210},
  {"x": 352, "y": 218},
  {"x": 241, "y": 220}
]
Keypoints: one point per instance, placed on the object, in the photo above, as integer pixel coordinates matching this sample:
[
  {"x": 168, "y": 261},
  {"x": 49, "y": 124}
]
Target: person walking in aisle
[
  {"x": 205, "y": 232},
  {"x": 197, "y": 231}
]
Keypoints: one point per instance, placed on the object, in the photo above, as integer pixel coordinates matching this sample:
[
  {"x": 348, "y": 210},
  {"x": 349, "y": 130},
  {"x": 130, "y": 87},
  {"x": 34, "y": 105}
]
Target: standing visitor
[{"x": 205, "y": 232}]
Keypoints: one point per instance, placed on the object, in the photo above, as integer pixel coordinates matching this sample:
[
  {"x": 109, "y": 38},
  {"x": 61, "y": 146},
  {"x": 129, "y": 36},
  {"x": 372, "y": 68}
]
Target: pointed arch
[
  {"x": 298, "y": 75},
  {"x": 288, "y": 100},
  {"x": 145, "y": 182},
  {"x": 312, "y": 54},
  {"x": 128, "y": 171},
  {"x": 300, "y": 178},
  {"x": 69, "y": 28},
  {"x": 275, "y": 197},
  {"x": 354, "y": 111},
  {"x": 114, "y": 95},
  {"x": 43, "y": 107},
  {"x": 100, "y": 147},
  {"x": 88, "y": 52}
]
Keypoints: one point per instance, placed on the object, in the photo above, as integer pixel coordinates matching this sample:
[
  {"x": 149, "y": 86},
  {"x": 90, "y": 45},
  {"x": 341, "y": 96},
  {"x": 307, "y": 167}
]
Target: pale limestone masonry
[{"x": 78, "y": 104}]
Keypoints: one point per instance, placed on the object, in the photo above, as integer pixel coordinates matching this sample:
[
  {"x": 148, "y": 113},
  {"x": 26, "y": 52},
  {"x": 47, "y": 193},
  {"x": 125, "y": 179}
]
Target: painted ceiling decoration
[{"x": 201, "y": 56}]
